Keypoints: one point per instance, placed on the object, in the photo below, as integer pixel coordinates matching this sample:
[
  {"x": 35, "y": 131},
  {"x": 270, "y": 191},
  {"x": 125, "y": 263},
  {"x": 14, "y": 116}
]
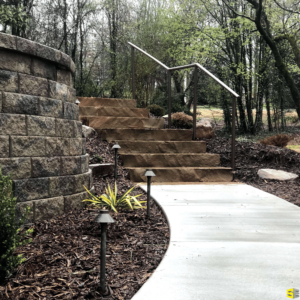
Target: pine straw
[{"x": 279, "y": 140}]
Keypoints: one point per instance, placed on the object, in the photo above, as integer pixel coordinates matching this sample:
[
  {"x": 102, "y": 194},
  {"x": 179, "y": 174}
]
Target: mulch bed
[
  {"x": 250, "y": 157},
  {"x": 63, "y": 259}
]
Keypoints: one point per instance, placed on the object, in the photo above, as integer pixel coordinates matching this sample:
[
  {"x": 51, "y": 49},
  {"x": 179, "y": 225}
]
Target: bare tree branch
[
  {"x": 240, "y": 15},
  {"x": 286, "y": 9}
]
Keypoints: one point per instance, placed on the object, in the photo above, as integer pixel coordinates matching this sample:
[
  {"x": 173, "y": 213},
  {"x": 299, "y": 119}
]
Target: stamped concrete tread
[
  {"x": 170, "y": 159},
  {"x": 94, "y": 101},
  {"x": 90, "y": 111},
  {"x": 183, "y": 174},
  {"x": 227, "y": 242},
  {"x": 119, "y": 123},
  {"x": 145, "y": 134},
  {"x": 162, "y": 147}
]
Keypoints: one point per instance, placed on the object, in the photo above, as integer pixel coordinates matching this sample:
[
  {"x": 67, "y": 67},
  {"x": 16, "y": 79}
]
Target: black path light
[
  {"x": 116, "y": 146},
  {"x": 103, "y": 218},
  {"x": 149, "y": 173}
]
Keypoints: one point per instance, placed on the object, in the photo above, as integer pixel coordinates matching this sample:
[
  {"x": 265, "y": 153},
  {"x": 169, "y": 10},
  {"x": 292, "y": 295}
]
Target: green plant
[
  {"x": 111, "y": 200},
  {"x": 99, "y": 158},
  {"x": 10, "y": 237},
  {"x": 96, "y": 158},
  {"x": 156, "y": 110},
  {"x": 182, "y": 120}
]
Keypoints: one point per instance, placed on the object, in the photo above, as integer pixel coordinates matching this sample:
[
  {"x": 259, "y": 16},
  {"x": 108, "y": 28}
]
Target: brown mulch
[
  {"x": 250, "y": 157},
  {"x": 63, "y": 259}
]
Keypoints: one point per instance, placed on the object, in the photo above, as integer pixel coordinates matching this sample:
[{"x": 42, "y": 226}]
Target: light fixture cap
[
  {"x": 116, "y": 146},
  {"x": 149, "y": 173},
  {"x": 104, "y": 217},
  {"x": 77, "y": 101}
]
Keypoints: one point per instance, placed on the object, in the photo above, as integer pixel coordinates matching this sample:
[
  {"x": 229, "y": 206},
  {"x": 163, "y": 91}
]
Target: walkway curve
[{"x": 228, "y": 241}]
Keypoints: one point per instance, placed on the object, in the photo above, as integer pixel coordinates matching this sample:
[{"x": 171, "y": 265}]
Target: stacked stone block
[{"x": 41, "y": 142}]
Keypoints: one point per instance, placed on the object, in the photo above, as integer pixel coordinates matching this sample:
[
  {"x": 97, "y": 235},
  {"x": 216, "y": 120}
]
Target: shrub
[
  {"x": 110, "y": 200},
  {"x": 10, "y": 237},
  {"x": 279, "y": 140},
  {"x": 156, "y": 110},
  {"x": 182, "y": 120}
]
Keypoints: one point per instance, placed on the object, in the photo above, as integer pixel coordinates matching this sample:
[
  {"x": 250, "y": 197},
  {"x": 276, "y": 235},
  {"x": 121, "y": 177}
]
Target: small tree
[{"x": 10, "y": 238}]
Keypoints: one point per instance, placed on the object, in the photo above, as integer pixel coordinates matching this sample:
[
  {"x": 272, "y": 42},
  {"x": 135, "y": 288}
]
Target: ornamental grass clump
[
  {"x": 279, "y": 140},
  {"x": 10, "y": 237},
  {"x": 112, "y": 201},
  {"x": 182, "y": 120}
]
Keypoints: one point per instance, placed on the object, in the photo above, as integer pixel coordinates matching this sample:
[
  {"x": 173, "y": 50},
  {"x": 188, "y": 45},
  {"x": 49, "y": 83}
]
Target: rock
[
  {"x": 276, "y": 174},
  {"x": 204, "y": 129},
  {"x": 87, "y": 131}
]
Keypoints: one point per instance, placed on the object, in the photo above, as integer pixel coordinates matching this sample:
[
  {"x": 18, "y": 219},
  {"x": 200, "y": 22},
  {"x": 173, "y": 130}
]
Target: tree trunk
[
  {"x": 279, "y": 62},
  {"x": 113, "y": 48},
  {"x": 65, "y": 26},
  {"x": 267, "y": 94}
]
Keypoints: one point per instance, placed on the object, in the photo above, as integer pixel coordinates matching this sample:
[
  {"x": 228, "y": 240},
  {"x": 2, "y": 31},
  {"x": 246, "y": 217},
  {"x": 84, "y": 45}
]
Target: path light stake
[
  {"x": 116, "y": 146},
  {"x": 149, "y": 173},
  {"x": 103, "y": 218}
]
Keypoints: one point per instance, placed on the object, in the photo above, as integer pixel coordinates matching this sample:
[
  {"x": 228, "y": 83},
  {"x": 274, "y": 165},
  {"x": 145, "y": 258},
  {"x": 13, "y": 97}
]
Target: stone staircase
[{"x": 171, "y": 153}]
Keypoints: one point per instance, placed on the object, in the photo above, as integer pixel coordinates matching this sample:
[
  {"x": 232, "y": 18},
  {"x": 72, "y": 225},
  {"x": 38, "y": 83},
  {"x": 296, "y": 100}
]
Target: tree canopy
[{"x": 251, "y": 45}]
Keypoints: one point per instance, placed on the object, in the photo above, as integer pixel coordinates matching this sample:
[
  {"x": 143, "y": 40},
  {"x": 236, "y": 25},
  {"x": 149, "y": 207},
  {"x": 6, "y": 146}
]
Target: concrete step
[
  {"x": 93, "y": 101},
  {"x": 113, "y": 111},
  {"x": 114, "y": 123},
  {"x": 185, "y": 174},
  {"x": 148, "y": 160},
  {"x": 162, "y": 147},
  {"x": 145, "y": 135}
]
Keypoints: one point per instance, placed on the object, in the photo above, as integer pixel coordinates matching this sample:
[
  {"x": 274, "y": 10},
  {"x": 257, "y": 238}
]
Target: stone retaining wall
[{"x": 41, "y": 142}]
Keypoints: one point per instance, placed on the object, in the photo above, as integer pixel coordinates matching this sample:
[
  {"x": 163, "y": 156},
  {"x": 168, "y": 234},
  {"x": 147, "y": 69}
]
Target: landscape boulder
[
  {"x": 276, "y": 174},
  {"x": 88, "y": 131},
  {"x": 204, "y": 129}
]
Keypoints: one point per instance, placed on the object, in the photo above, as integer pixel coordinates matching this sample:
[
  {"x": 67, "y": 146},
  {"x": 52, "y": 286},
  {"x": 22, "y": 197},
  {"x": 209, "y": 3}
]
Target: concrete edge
[
  {"x": 145, "y": 190},
  {"x": 190, "y": 183}
]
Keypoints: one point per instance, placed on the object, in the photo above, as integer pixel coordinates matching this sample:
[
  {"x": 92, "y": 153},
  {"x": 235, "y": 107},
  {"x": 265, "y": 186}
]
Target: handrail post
[
  {"x": 233, "y": 134},
  {"x": 195, "y": 102},
  {"x": 132, "y": 71},
  {"x": 169, "y": 98}
]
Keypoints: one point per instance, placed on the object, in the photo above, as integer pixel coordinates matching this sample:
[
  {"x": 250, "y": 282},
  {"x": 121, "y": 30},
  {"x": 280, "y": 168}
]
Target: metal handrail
[
  {"x": 186, "y": 67},
  {"x": 196, "y": 66}
]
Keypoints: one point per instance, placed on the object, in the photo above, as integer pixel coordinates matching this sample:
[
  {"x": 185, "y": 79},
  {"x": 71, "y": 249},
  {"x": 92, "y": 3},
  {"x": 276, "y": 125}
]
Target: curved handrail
[
  {"x": 195, "y": 65},
  {"x": 186, "y": 67}
]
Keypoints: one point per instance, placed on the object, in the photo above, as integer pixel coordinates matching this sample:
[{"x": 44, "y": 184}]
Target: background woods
[{"x": 252, "y": 45}]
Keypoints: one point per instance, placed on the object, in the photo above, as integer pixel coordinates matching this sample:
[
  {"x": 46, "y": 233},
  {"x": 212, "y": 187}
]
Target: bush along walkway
[{"x": 228, "y": 241}]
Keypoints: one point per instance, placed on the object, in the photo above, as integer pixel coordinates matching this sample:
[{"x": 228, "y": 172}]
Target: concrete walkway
[{"x": 228, "y": 241}]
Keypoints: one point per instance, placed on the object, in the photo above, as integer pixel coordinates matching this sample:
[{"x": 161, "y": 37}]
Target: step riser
[
  {"x": 170, "y": 160},
  {"x": 88, "y": 111},
  {"x": 183, "y": 175},
  {"x": 145, "y": 135},
  {"x": 87, "y": 101},
  {"x": 162, "y": 147},
  {"x": 122, "y": 123}
]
